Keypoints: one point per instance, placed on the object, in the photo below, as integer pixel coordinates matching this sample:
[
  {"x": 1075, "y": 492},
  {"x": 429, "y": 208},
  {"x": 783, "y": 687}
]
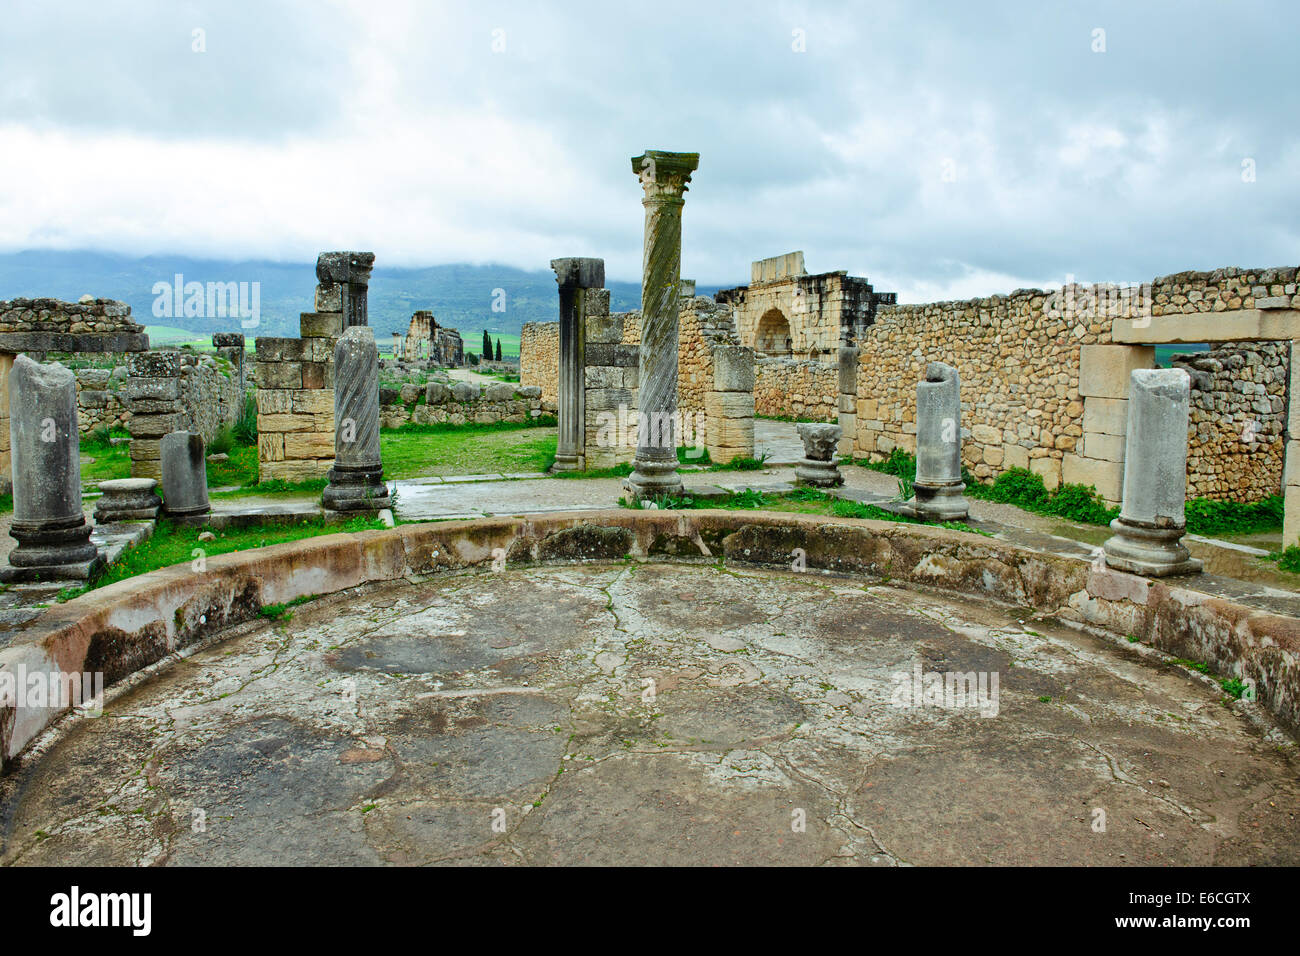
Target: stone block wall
[
  {"x": 295, "y": 394},
  {"x": 101, "y": 399},
  {"x": 36, "y": 326},
  {"x": 459, "y": 404},
  {"x": 1237, "y": 436},
  {"x": 539, "y": 358},
  {"x": 798, "y": 389},
  {"x": 168, "y": 390},
  {"x": 610, "y": 376},
  {"x": 1044, "y": 383}
]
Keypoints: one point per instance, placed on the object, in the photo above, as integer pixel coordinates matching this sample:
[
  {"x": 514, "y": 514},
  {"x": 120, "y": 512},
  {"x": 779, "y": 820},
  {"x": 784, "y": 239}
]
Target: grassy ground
[
  {"x": 802, "y": 501},
  {"x": 416, "y": 451},
  {"x": 110, "y": 461},
  {"x": 179, "y": 544}
]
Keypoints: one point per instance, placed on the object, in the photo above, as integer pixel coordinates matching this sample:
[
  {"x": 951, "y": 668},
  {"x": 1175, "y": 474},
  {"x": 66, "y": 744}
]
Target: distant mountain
[{"x": 460, "y": 296}]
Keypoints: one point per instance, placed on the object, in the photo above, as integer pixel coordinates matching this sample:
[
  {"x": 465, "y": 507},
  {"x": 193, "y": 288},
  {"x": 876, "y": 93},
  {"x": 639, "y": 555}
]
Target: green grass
[
  {"x": 170, "y": 336},
  {"x": 1025, "y": 489},
  {"x": 6, "y": 503},
  {"x": 110, "y": 461},
  {"x": 801, "y": 501},
  {"x": 173, "y": 543},
  {"x": 415, "y": 451}
]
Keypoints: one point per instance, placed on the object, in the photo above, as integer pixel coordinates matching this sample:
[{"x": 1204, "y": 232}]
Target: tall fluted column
[
  {"x": 575, "y": 277},
  {"x": 663, "y": 177},
  {"x": 356, "y": 482}
]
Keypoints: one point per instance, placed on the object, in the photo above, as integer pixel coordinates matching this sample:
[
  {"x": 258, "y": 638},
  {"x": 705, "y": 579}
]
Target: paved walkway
[{"x": 657, "y": 714}]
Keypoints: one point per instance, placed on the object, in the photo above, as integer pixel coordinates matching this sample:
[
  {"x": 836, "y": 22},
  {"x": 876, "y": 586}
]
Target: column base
[
  {"x": 938, "y": 502},
  {"x": 817, "y": 474},
  {"x": 353, "y": 488},
  {"x": 52, "y": 551},
  {"x": 194, "y": 512},
  {"x": 653, "y": 477},
  {"x": 568, "y": 463},
  {"x": 1150, "y": 552}
]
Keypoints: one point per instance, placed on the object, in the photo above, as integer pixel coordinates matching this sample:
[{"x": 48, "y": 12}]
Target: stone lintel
[
  {"x": 583, "y": 273},
  {"x": 1234, "y": 325}
]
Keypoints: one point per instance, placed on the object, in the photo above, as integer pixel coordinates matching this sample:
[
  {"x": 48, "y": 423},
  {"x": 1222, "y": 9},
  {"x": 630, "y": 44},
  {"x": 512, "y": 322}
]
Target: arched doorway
[{"x": 772, "y": 337}]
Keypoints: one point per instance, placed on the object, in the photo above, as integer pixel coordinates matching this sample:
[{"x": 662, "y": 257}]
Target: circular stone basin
[{"x": 656, "y": 714}]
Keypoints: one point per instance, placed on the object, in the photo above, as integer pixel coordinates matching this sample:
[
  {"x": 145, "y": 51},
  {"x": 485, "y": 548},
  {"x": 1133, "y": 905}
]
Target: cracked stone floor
[{"x": 655, "y": 714}]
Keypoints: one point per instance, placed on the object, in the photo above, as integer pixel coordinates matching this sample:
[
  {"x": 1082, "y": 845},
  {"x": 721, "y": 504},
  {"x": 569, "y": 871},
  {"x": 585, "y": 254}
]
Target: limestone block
[
  {"x": 279, "y": 374},
  {"x": 604, "y": 328},
  {"x": 1104, "y": 370},
  {"x": 729, "y": 405},
  {"x": 153, "y": 426},
  {"x": 1015, "y": 456},
  {"x": 309, "y": 445},
  {"x": 286, "y": 423},
  {"x": 1049, "y": 469},
  {"x": 270, "y": 446},
  {"x": 315, "y": 402},
  {"x": 314, "y": 374},
  {"x": 1109, "y": 416},
  {"x": 278, "y": 350},
  {"x": 733, "y": 368},
  {"x": 320, "y": 324},
  {"x": 1105, "y": 476},
  {"x": 274, "y": 401},
  {"x": 1104, "y": 447}
]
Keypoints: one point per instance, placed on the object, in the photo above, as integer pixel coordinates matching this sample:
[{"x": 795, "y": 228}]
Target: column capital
[
  {"x": 664, "y": 175},
  {"x": 579, "y": 273},
  {"x": 350, "y": 267}
]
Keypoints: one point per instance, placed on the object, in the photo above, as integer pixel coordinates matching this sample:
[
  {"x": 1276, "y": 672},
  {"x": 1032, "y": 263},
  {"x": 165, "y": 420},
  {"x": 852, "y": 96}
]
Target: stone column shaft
[
  {"x": 356, "y": 480},
  {"x": 664, "y": 177},
  {"x": 938, "y": 487},
  {"x": 1153, "y": 519},
  {"x": 575, "y": 277},
  {"x": 48, "y": 524}
]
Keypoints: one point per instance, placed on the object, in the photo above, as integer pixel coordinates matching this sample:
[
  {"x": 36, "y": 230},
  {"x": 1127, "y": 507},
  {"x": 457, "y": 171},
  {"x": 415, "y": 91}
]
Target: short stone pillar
[
  {"x": 819, "y": 466},
  {"x": 663, "y": 178},
  {"x": 344, "y": 282},
  {"x": 938, "y": 487},
  {"x": 848, "y": 400},
  {"x": 1152, "y": 520},
  {"x": 397, "y": 346},
  {"x": 52, "y": 533},
  {"x": 356, "y": 482},
  {"x": 127, "y": 499},
  {"x": 574, "y": 277},
  {"x": 184, "y": 475},
  {"x": 729, "y": 404}
]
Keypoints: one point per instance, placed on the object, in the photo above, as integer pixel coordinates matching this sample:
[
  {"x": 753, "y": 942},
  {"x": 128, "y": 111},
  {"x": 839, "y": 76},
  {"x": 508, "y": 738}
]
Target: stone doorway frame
[{"x": 1104, "y": 381}]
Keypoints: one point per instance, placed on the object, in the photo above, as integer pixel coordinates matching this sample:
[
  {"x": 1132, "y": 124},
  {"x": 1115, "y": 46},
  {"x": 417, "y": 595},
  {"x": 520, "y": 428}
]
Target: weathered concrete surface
[{"x": 654, "y": 714}]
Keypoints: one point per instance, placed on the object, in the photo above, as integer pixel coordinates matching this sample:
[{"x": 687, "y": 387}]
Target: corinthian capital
[{"x": 664, "y": 175}]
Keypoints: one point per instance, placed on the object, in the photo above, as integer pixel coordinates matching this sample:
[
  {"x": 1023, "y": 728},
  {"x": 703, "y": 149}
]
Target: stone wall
[
  {"x": 798, "y": 389},
  {"x": 539, "y": 358},
  {"x": 459, "y": 404},
  {"x": 1236, "y": 441},
  {"x": 50, "y": 325},
  {"x": 170, "y": 390},
  {"x": 101, "y": 400},
  {"x": 611, "y": 375},
  {"x": 1044, "y": 385},
  {"x": 40, "y": 326}
]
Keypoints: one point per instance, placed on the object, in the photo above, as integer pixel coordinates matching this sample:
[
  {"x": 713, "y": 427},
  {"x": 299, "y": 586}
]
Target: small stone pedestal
[
  {"x": 819, "y": 466},
  {"x": 938, "y": 488},
  {"x": 128, "y": 499},
  {"x": 52, "y": 533},
  {"x": 184, "y": 475},
  {"x": 1152, "y": 520}
]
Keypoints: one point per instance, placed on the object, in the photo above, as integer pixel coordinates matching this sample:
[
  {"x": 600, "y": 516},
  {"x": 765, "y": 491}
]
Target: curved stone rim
[{"x": 132, "y": 624}]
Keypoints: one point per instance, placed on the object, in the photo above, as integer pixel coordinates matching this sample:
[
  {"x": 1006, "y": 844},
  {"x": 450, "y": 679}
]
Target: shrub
[
  {"x": 223, "y": 442},
  {"x": 245, "y": 429}
]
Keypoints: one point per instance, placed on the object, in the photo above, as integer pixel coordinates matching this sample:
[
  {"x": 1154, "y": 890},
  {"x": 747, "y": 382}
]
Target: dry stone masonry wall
[{"x": 796, "y": 388}]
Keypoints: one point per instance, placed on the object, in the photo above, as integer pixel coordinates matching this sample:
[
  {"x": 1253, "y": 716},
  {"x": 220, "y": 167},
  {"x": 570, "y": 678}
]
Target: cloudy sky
[{"x": 939, "y": 149}]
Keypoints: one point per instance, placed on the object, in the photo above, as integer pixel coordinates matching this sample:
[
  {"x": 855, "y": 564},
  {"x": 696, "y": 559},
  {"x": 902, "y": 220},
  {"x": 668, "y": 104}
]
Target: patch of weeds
[
  {"x": 284, "y": 612},
  {"x": 1044, "y": 700},
  {"x": 1233, "y": 687},
  {"x": 743, "y": 463}
]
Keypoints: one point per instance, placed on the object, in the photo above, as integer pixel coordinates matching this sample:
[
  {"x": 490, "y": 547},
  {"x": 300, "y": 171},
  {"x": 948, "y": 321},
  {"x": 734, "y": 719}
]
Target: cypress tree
[
  {"x": 487, "y": 345},
  {"x": 498, "y": 348}
]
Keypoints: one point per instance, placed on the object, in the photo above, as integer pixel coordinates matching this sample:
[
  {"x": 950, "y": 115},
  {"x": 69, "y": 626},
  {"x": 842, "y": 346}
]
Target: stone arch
[{"x": 772, "y": 335}]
